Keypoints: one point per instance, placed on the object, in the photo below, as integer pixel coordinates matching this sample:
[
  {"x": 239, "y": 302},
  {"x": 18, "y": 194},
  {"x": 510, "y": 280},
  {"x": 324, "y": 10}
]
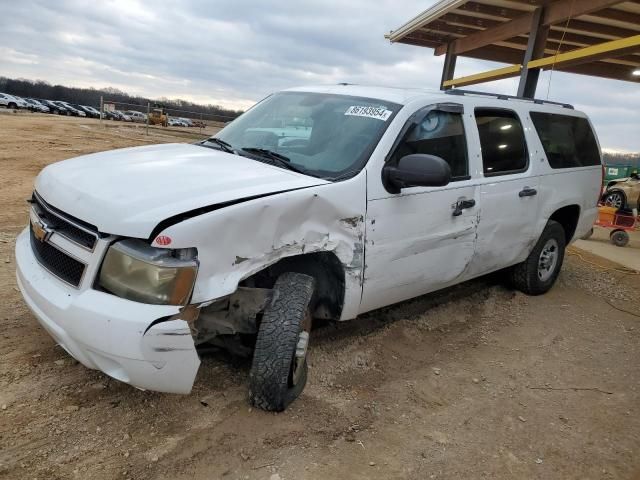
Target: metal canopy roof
[{"x": 499, "y": 30}]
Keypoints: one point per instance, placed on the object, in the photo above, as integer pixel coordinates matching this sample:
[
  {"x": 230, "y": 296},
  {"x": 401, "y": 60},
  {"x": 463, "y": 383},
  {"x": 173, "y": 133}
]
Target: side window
[
  {"x": 567, "y": 141},
  {"x": 439, "y": 133},
  {"x": 504, "y": 148}
]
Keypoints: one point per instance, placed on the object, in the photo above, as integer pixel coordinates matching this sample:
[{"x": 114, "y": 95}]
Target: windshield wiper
[
  {"x": 343, "y": 176},
  {"x": 227, "y": 147},
  {"x": 279, "y": 159}
]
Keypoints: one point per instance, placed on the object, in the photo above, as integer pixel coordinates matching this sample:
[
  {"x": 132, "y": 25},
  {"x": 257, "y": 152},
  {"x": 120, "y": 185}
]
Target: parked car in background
[
  {"x": 187, "y": 121},
  {"x": 11, "y": 101},
  {"x": 88, "y": 112},
  {"x": 110, "y": 115},
  {"x": 134, "y": 257},
  {"x": 123, "y": 116},
  {"x": 71, "y": 109},
  {"x": 177, "y": 122},
  {"x": 93, "y": 110},
  {"x": 54, "y": 107},
  {"x": 36, "y": 106},
  {"x": 136, "y": 116},
  {"x": 623, "y": 192}
]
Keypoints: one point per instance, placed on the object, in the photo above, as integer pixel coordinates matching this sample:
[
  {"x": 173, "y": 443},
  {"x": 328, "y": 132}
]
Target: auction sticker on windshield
[{"x": 380, "y": 113}]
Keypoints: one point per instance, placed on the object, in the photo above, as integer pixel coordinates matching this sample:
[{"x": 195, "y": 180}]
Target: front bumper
[{"x": 129, "y": 341}]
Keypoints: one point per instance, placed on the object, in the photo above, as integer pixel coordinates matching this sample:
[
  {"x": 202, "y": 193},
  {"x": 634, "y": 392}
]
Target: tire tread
[
  {"x": 277, "y": 339},
  {"x": 524, "y": 276}
]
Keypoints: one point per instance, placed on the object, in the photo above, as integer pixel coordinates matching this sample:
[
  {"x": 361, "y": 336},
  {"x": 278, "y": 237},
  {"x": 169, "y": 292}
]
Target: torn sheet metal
[
  {"x": 237, "y": 241},
  {"x": 169, "y": 346}
]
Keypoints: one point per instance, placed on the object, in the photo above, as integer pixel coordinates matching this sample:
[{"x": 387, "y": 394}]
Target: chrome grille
[
  {"x": 74, "y": 230},
  {"x": 56, "y": 261}
]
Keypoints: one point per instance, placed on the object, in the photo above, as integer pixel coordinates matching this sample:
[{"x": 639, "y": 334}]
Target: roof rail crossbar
[{"x": 500, "y": 96}]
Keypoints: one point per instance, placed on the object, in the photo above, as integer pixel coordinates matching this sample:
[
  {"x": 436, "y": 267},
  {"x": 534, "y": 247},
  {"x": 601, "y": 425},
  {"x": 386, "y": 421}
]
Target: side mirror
[{"x": 416, "y": 170}]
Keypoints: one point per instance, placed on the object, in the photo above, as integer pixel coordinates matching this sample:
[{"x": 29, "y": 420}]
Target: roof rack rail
[{"x": 500, "y": 96}]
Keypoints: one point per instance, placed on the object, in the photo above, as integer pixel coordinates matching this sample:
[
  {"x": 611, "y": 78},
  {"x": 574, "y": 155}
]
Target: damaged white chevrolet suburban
[{"x": 322, "y": 202}]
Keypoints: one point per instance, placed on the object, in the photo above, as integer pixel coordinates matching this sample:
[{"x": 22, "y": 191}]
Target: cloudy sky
[{"x": 234, "y": 53}]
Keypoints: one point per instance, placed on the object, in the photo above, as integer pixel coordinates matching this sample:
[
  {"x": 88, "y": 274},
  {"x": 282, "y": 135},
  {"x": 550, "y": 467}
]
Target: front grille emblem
[{"x": 40, "y": 230}]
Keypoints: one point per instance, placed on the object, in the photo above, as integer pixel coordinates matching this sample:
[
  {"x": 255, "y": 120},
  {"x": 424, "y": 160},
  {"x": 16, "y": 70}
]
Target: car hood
[
  {"x": 620, "y": 180},
  {"x": 129, "y": 191}
]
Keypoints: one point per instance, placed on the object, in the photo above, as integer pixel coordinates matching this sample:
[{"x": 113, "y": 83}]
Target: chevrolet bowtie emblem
[{"x": 40, "y": 230}]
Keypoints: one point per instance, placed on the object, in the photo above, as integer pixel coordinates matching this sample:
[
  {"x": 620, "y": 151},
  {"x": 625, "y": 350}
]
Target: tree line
[{"x": 91, "y": 97}]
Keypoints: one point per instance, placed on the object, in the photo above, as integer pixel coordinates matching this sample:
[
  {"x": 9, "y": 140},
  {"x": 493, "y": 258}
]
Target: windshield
[{"x": 323, "y": 135}]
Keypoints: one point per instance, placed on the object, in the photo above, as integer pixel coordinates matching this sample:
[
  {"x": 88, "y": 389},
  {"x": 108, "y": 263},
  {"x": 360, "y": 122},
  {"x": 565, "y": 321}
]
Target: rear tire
[
  {"x": 12, "y": 106},
  {"x": 279, "y": 368},
  {"x": 537, "y": 274}
]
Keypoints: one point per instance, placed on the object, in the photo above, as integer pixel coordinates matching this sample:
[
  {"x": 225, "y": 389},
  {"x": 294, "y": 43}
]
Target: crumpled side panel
[{"x": 237, "y": 241}]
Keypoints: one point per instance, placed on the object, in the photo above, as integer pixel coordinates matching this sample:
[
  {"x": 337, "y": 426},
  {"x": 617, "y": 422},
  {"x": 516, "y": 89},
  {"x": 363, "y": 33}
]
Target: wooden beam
[
  {"x": 496, "y": 53},
  {"x": 593, "y": 53},
  {"x": 555, "y": 12},
  {"x": 603, "y": 70},
  {"x": 535, "y": 49},
  {"x": 590, "y": 28},
  {"x": 568, "y": 61},
  {"x": 617, "y": 15},
  {"x": 474, "y": 8},
  {"x": 553, "y": 47},
  {"x": 497, "y": 74},
  {"x": 592, "y": 32},
  {"x": 487, "y": 37},
  {"x": 448, "y": 70},
  {"x": 469, "y": 21}
]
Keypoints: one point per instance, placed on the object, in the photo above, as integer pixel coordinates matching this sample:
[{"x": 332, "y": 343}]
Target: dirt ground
[{"x": 476, "y": 381}]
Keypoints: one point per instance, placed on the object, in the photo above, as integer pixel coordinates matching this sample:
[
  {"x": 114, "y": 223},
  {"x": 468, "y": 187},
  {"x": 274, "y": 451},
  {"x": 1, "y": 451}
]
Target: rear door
[{"x": 508, "y": 191}]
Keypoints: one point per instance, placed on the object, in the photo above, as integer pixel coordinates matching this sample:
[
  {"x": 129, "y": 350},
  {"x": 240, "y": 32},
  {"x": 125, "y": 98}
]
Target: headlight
[{"x": 135, "y": 271}]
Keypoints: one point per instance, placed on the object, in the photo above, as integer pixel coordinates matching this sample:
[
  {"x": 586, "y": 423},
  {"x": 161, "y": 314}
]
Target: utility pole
[{"x": 148, "y": 111}]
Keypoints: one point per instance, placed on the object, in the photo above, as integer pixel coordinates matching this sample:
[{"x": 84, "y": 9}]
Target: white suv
[
  {"x": 137, "y": 117},
  {"x": 319, "y": 202},
  {"x": 10, "y": 101}
]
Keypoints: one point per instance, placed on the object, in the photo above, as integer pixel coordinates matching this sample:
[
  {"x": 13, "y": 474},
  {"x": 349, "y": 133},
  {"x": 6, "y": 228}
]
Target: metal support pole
[
  {"x": 449, "y": 68},
  {"x": 535, "y": 50},
  {"x": 101, "y": 110},
  {"x": 201, "y": 124},
  {"x": 148, "y": 111}
]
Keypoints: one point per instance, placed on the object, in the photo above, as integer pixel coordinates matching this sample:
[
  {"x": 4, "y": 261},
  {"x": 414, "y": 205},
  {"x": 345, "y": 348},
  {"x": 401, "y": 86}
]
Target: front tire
[
  {"x": 537, "y": 274},
  {"x": 279, "y": 367}
]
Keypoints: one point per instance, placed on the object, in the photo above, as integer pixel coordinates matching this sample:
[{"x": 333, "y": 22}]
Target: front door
[{"x": 423, "y": 238}]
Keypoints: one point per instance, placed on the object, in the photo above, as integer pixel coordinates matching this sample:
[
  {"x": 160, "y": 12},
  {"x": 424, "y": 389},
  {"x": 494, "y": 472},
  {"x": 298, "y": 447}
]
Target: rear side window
[
  {"x": 439, "y": 133},
  {"x": 504, "y": 148},
  {"x": 567, "y": 141}
]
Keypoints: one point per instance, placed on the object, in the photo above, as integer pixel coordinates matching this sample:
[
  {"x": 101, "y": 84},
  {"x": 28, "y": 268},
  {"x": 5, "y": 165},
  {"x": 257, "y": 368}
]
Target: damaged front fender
[{"x": 240, "y": 240}]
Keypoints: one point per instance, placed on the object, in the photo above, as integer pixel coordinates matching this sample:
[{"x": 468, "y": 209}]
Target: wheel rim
[
  {"x": 548, "y": 260},
  {"x": 302, "y": 347},
  {"x": 613, "y": 200}
]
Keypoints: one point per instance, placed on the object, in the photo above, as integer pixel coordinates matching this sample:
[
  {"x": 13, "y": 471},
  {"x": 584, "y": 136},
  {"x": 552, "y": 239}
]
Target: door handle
[
  {"x": 527, "y": 192},
  {"x": 461, "y": 205}
]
